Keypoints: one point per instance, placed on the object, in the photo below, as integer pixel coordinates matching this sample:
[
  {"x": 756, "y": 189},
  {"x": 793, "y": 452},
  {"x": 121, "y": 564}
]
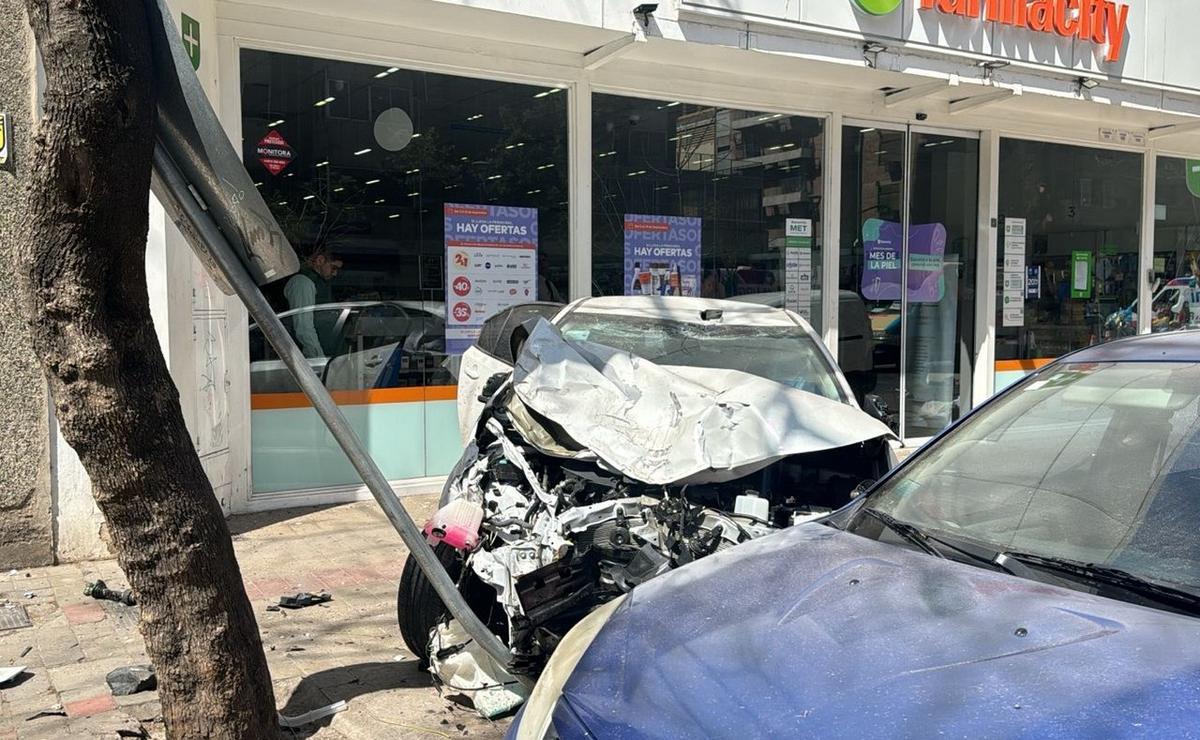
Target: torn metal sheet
[{"x": 663, "y": 425}]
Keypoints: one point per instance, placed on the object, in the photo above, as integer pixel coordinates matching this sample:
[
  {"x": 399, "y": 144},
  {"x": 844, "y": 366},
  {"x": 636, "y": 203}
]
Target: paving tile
[
  {"x": 90, "y": 706},
  {"x": 85, "y": 612}
]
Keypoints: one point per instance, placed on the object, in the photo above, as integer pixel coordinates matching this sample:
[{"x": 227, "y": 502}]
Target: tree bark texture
[{"x": 82, "y": 263}]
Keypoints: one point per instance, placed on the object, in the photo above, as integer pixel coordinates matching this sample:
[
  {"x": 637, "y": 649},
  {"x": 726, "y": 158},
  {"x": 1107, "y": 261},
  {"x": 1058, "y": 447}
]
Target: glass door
[{"x": 907, "y": 273}]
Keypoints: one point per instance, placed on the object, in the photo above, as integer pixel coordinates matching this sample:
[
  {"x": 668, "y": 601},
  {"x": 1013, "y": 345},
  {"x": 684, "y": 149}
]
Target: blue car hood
[{"x": 818, "y": 632}]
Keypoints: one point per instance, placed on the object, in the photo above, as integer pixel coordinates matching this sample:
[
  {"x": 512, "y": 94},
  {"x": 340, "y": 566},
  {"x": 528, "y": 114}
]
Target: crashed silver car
[{"x": 614, "y": 439}]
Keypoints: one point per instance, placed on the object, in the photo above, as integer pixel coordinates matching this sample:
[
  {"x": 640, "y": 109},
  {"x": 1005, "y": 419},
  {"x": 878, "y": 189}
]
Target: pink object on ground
[{"x": 456, "y": 524}]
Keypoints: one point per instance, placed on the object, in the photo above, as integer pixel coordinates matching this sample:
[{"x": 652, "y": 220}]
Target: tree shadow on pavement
[{"x": 346, "y": 683}]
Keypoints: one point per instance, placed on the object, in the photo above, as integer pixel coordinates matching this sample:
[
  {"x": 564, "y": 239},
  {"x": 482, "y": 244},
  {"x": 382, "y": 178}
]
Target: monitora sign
[{"x": 1101, "y": 22}]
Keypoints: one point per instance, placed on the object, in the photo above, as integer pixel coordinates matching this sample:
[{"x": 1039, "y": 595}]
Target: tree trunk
[{"x": 82, "y": 264}]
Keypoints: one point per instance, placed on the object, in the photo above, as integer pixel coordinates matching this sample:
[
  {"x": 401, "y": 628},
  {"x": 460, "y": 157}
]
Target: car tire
[{"x": 418, "y": 607}]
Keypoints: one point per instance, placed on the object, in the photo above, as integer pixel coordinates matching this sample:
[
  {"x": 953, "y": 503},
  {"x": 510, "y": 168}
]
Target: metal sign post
[{"x": 192, "y": 216}]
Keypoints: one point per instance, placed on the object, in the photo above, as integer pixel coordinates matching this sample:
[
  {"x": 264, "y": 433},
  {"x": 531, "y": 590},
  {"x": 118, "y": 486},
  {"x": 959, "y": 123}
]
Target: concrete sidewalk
[{"x": 347, "y": 649}]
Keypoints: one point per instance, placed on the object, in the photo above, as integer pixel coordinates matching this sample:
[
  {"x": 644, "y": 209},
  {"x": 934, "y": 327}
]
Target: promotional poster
[
  {"x": 662, "y": 255},
  {"x": 883, "y": 242},
  {"x": 491, "y": 264}
]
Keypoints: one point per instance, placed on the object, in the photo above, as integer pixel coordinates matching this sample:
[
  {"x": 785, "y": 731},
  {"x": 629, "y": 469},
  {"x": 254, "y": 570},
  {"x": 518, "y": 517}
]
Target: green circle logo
[{"x": 879, "y": 7}]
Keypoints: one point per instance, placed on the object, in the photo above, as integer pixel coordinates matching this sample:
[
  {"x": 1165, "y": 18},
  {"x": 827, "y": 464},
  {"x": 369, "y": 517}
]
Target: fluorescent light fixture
[
  {"x": 324, "y": 102},
  {"x": 322, "y": 163},
  {"x": 276, "y": 122},
  {"x": 495, "y": 177},
  {"x": 361, "y": 152},
  {"x": 414, "y": 193},
  {"x": 338, "y": 190},
  {"x": 309, "y": 197},
  {"x": 258, "y": 184},
  {"x": 551, "y": 91},
  {"x": 380, "y": 200},
  {"x": 865, "y": 130},
  {"x": 394, "y": 215},
  {"x": 387, "y": 72},
  {"x": 533, "y": 192},
  {"x": 372, "y": 182},
  {"x": 281, "y": 203},
  {"x": 416, "y": 136},
  {"x": 635, "y": 174},
  {"x": 680, "y": 137},
  {"x": 545, "y": 166},
  {"x": 475, "y": 117},
  {"x": 413, "y": 171}
]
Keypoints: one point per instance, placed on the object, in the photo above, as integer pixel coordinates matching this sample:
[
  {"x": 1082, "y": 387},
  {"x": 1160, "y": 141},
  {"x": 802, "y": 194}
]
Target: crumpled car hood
[
  {"x": 816, "y": 632},
  {"x": 667, "y": 425}
]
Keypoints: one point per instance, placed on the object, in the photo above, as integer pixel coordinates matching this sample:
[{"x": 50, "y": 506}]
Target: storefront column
[
  {"x": 579, "y": 154},
  {"x": 983, "y": 382},
  {"x": 1146, "y": 255},
  {"x": 831, "y": 208}
]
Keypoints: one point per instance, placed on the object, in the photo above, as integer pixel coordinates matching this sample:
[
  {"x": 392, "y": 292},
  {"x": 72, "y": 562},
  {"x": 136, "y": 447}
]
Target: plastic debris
[
  {"x": 132, "y": 679},
  {"x": 100, "y": 590},
  {"x": 456, "y": 524},
  {"x": 54, "y": 711},
  {"x": 301, "y": 600},
  {"x": 458, "y": 663},
  {"x": 8, "y": 674},
  {"x": 308, "y": 717}
]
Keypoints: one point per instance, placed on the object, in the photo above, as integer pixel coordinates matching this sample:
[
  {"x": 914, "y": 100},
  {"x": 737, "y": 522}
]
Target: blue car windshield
[
  {"x": 785, "y": 354},
  {"x": 1092, "y": 463}
]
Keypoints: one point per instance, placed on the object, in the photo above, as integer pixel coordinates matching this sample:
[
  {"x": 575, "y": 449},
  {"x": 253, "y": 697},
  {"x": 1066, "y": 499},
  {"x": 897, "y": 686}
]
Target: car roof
[
  {"x": 1176, "y": 346},
  {"x": 688, "y": 310}
]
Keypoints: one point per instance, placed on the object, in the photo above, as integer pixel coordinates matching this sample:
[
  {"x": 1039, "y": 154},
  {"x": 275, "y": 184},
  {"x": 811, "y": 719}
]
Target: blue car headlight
[{"x": 542, "y": 712}]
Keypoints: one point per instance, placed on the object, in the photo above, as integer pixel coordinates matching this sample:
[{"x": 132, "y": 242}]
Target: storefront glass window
[
  {"x": 366, "y": 168},
  {"x": 1176, "y": 245},
  {"x": 906, "y": 322},
  {"x": 1068, "y": 253},
  {"x": 696, "y": 200}
]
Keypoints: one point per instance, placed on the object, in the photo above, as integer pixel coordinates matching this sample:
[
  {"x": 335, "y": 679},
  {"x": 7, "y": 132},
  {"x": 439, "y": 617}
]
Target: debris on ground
[
  {"x": 132, "y": 679},
  {"x": 309, "y": 717},
  {"x": 301, "y": 600},
  {"x": 460, "y": 664},
  {"x": 8, "y": 674},
  {"x": 99, "y": 590},
  {"x": 25, "y": 651},
  {"x": 54, "y": 711}
]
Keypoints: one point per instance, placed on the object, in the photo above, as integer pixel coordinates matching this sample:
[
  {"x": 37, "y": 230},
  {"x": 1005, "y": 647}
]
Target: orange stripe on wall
[
  {"x": 1026, "y": 366},
  {"x": 267, "y": 401}
]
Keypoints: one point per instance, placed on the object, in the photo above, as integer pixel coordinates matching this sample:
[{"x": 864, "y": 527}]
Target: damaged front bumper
[{"x": 593, "y": 471}]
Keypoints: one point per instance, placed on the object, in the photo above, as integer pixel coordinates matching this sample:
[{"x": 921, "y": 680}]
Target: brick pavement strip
[{"x": 351, "y": 648}]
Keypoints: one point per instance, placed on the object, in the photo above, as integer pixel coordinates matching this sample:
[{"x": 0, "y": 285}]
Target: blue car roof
[{"x": 1180, "y": 346}]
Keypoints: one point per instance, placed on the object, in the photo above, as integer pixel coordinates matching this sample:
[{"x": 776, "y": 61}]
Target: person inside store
[{"x": 307, "y": 289}]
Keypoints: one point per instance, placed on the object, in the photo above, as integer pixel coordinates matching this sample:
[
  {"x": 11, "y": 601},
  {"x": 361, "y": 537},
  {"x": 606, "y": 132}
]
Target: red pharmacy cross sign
[{"x": 274, "y": 152}]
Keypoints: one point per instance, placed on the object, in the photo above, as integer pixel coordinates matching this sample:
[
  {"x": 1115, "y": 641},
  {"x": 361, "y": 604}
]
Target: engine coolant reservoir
[
  {"x": 457, "y": 524},
  {"x": 751, "y": 504}
]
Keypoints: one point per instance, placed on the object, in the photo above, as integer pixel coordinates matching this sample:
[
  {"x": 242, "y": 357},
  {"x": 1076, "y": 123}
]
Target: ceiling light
[
  {"x": 338, "y": 190},
  {"x": 394, "y": 215},
  {"x": 380, "y": 200},
  {"x": 309, "y": 197},
  {"x": 413, "y": 171},
  {"x": 551, "y": 91},
  {"x": 258, "y": 184},
  {"x": 322, "y": 163},
  {"x": 416, "y": 136},
  {"x": 324, "y": 102},
  {"x": 281, "y": 203},
  {"x": 545, "y": 166},
  {"x": 372, "y": 182},
  {"x": 495, "y": 177},
  {"x": 414, "y": 194},
  {"x": 361, "y": 152},
  {"x": 277, "y": 122},
  {"x": 475, "y": 117},
  {"x": 533, "y": 192}
]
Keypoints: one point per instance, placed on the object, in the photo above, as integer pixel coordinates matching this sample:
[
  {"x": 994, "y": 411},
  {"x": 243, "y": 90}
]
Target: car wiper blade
[
  {"x": 905, "y": 530},
  {"x": 1103, "y": 574}
]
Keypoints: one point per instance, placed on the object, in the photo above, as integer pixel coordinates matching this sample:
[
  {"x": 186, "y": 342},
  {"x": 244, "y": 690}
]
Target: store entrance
[{"x": 907, "y": 272}]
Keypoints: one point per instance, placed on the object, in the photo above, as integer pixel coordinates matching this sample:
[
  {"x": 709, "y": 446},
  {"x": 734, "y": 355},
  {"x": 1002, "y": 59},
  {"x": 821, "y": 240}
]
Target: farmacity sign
[{"x": 1101, "y": 22}]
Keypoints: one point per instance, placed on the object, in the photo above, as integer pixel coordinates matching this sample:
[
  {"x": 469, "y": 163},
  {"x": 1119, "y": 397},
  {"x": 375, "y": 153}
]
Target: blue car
[{"x": 1033, "y": 572}]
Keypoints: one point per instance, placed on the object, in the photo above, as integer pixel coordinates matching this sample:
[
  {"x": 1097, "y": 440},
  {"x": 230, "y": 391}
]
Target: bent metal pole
[{"x": 221, "y": 256}]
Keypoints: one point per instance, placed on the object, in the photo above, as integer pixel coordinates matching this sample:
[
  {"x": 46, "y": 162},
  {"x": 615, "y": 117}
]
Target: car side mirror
[
  {"x": 862, "y": 488},
  {"x": 877, "y": 408}
]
